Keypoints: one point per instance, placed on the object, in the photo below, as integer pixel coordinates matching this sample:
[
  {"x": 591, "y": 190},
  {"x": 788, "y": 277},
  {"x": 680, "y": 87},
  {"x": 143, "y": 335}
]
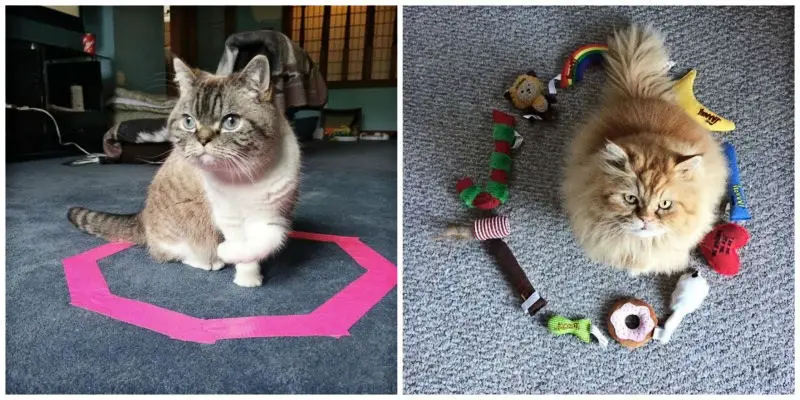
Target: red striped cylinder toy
[{"x": 496, "y": 227}]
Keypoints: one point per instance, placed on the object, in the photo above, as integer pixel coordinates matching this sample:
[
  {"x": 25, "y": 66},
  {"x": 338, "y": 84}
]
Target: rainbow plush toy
[
  {"x": 579, "y": 61},
  {"x": 576, "y": 65}
]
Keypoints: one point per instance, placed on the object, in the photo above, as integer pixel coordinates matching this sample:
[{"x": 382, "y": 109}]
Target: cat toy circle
[{"x": 631, "y": 322}]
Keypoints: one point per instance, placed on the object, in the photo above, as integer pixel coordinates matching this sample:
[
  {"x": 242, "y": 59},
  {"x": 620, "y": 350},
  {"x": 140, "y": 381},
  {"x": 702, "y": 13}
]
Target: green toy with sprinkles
[{"x": 496, "y": 192}]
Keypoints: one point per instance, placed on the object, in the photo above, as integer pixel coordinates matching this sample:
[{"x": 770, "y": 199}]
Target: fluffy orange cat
[{"x": 643, "y": 180}]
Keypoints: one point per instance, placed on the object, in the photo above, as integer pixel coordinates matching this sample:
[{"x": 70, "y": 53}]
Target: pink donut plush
[{"x": 631, "y": 322}]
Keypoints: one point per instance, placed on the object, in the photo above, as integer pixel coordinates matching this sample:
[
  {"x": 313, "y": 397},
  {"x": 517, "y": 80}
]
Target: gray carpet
[
  {"x": 52, "y": 347},
  {"x": 463, "y": 329}
]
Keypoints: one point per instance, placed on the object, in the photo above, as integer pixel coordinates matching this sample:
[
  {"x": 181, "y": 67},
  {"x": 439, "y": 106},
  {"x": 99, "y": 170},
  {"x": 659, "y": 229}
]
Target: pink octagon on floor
[{"x": 88, "y": 289}]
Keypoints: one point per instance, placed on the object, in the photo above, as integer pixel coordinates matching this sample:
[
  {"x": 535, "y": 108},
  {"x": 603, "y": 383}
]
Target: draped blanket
[{"x": 296, "y": 79}]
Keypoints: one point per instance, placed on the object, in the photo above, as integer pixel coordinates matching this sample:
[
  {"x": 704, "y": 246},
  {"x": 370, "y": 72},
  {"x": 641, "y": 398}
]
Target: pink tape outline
[{"x": 88, "y": 289}]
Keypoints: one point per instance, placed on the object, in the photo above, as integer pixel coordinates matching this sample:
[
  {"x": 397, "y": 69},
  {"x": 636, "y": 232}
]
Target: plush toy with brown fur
[{"x": 529, "y": 95}]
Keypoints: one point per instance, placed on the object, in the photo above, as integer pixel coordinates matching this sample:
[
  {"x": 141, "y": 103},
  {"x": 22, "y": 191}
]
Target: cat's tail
[
  {"x": 636, "y": 64},
  {"x": 112, "y": 227}
]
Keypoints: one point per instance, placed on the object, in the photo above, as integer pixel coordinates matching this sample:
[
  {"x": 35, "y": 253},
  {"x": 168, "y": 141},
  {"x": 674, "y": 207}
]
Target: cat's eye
[
  {"x": 665, "y": 204},
  {"x": 231, "y": 122},
  {"x": 187, "y": 123},
  {"x": 630, "y": 199}
]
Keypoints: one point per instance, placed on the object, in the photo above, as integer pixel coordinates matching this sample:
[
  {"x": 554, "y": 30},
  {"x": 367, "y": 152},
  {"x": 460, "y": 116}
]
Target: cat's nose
[
  {"x": 205, "y": 136},
  {"x": 647, "y": 218}
]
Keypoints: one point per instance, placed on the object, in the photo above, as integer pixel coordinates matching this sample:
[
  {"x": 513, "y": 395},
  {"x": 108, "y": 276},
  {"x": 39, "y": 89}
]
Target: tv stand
[{"x": 40, "y": 76}]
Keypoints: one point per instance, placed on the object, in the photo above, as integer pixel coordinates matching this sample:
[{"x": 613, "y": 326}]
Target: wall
[
  {"x": 99, "y": 20},
  {"x": 211, "y": 29},
  {"x": 251, "y": 18},
  {"x": 210, "y": 36},
  {"x": 139, "y": 47},
  {"x": 379, "y": 105}
]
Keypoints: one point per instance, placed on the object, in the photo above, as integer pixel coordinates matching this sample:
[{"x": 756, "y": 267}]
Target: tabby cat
[
  {"x": 226, "y": 192},
  {"x": 643, "y": 179}
]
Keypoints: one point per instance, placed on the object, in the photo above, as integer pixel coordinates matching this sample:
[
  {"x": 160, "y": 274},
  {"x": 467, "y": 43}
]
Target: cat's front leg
[
  {"x": 265, "y": 237},
  {"x": 235, "y": 250},
  {"x": 232, "y": 248},
  {"x": 262, "y": 239},
  {"x": 257, "y": 239},
  {"x": 231, "y": 251},
  {"x": 248, "y": 274}
]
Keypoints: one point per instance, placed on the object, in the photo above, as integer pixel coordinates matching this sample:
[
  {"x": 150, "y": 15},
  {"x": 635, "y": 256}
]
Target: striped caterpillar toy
[{"x": 496, "y": 192}]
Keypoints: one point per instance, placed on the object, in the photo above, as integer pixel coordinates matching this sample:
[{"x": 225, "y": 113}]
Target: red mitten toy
[{"x": 720, "y": 247}]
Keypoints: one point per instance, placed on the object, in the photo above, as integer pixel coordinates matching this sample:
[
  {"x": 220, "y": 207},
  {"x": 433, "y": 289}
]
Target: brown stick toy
[{"x": 532, "y": 302}]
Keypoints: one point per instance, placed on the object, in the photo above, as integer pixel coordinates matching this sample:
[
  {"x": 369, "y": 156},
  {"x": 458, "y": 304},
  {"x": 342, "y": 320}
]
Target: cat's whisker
[
  {"x": 238, "y": 162},
  {"x": 241, "y": 157}
]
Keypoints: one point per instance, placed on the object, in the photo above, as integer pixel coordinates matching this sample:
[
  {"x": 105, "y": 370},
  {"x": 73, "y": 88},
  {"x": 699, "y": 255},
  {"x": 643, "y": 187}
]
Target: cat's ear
[
  {"x": 256, "y": 73},
  {"x": 615, "y": 157},
  {"x": 184, "y": 76},
  {"x": 686, "y": 167}
]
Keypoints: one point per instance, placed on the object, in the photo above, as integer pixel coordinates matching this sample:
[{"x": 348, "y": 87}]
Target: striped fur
[{"x": 112, "y": 227}]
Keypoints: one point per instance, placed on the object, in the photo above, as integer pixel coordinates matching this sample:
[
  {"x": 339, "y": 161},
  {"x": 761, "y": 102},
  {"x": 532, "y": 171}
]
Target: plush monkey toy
[{"x": 529, "y": 95}]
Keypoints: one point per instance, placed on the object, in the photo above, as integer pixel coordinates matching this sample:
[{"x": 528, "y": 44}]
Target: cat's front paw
[
  {"x": 248, "y": 279},
  {"x": 230, "y": 252},
  {"x": 217, "y": 265}
]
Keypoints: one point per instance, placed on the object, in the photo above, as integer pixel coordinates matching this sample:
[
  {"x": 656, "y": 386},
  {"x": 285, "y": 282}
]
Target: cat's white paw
[
  {"x": 198, "y": 264},
  {"x": 230, "y": 252},
  {"x": 248, "y": 279},
  {"x": 217, "y": 265}
]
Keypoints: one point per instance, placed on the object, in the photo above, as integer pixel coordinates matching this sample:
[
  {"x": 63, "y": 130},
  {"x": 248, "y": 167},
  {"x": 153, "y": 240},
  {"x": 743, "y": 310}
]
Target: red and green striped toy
[{"x": 496, "y": 192}]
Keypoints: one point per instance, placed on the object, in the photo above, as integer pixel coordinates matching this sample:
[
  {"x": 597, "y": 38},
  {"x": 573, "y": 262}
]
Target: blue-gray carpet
[
  {"x": 52, "y": 347},
  {"x": 463, "y": 329}
]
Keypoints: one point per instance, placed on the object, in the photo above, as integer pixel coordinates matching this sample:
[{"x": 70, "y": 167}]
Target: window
[{"x": 355, "y": 46}]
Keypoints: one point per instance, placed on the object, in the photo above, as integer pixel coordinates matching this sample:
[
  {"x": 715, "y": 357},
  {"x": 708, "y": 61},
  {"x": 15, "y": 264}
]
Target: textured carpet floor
[
  {"x": 53, "y": 347},
  {"x": 463, "y": 329}
]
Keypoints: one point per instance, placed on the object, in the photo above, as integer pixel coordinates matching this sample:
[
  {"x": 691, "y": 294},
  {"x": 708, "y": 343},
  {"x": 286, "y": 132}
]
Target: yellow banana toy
[{"x": 684, "y": 88}]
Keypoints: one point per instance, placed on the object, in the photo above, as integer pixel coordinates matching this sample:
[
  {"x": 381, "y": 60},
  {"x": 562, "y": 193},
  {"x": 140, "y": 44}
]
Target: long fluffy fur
[
  {"x": 636, "y": 65},
  {"x": 643, "y": 144}
]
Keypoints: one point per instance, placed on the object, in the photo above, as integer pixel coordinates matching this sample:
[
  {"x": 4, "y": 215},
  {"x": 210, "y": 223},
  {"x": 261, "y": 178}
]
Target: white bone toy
[{"x": 690, "y": 292}]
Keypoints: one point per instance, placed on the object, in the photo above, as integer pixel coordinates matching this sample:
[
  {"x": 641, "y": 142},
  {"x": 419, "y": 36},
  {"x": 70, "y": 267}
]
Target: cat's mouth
[
  {"x": 647, "y": 233},
  {"x": 210, "y": 162},
  {"x": 645, "y": 230},
  {"x": 207, "y": 159}
]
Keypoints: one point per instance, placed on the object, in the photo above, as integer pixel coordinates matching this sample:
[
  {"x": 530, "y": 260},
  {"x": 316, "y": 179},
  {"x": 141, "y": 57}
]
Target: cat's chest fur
[
  {"x": 260, "y": 199},
  {"x": 233, "y": 205}
]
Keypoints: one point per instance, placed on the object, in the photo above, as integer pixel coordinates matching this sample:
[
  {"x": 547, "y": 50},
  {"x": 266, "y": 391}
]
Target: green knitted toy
[
  {"x": 496, "y": 192},
  {"x": 581, "y": 328}
]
